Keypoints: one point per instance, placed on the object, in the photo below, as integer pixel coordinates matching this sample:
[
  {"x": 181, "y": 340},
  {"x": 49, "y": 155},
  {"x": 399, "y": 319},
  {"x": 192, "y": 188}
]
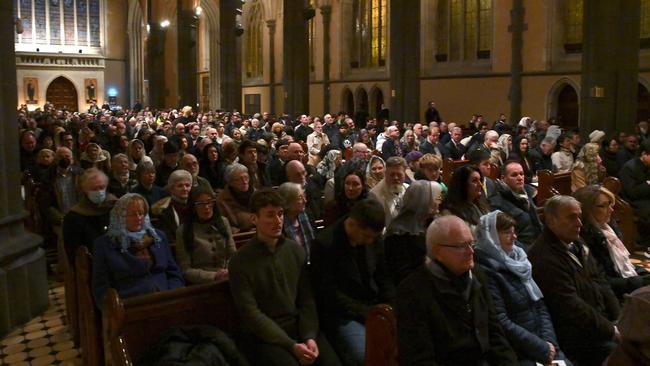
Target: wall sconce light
[
  {"x": 198, "y": 11},
  {"x": 164, "y": 24},
  {"x": 597, "y": 92}
]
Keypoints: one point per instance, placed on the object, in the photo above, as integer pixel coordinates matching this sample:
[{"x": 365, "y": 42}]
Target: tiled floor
[{"x": 45, "y": 340}]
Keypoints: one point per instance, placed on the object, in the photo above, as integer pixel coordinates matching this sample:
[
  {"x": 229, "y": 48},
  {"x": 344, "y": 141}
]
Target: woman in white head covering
[
  {"x": 405, "y": 236},
  {"x": 132, "y": 257},
  {"x": 517, "y": 299}
]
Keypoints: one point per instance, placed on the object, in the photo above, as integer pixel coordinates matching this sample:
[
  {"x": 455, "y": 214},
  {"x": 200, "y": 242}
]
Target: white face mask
[{"x": 97, "y": 197}]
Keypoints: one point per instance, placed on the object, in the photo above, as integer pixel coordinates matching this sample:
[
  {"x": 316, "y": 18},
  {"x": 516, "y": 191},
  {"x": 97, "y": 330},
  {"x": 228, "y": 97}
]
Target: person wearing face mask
[{"x": 88, "y": 219}]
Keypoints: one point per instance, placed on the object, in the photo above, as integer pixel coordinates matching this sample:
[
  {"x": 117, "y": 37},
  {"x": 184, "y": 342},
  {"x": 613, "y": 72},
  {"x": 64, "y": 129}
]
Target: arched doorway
[
  {"x": 347, "y": 102},
  {"x": 361, "y": 101},
  {"x": 62, "y": 94},
  {"x": 643, "y": 104},
  {"x": 568, "y": 110},
  {"x": 376, "y": 101}
]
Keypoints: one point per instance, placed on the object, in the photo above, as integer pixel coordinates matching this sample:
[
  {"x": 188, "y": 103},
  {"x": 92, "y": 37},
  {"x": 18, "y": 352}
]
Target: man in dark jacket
[
  {"x": 581, "y": 302},
  {"x": 432, "y": 144},
  {"x": 541, "y": 155},
  {"x": 432, "y": 114},
  {"x": 455, "y": 149},
  {"x": 635, "y": 176},
  {"x": 445, "y": 314},
  {"x": 515, "y": 198},
  {"x": 349, "y": 270}
]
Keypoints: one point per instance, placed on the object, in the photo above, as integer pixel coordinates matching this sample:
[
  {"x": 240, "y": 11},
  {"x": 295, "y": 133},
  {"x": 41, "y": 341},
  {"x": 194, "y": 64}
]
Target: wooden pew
[
  {"x": 89, "y": 318},
  {"x": 550, "y": 184},
  {"x": 449, "y": 167},
  {"x": 131, "y": 326},
  {"x": 71, "y": 298},
  {"x": 242, "y": 238},
  {"x": 381, "y": 337},
  {"x": 623, "y": 214}
]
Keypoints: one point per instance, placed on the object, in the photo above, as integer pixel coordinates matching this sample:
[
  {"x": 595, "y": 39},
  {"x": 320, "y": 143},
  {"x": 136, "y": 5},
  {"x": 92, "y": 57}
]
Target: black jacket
[
  {"x": 347, "y": 290},
  {"x": 634, "y": 176},
  {"x": 437, "y": 326},
  {"x": 580, "y": 301},
  {"x": 540, "y": 161},
  {"x": 404, "y": 253},
  {"x": 455, "y": 151},
  {"x": 525, "y": 213}
]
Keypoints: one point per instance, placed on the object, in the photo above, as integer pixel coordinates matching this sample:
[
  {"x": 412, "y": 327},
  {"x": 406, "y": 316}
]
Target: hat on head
[
  {"x": 596, "y": 136},
  {"x": 412, "y": 156}
]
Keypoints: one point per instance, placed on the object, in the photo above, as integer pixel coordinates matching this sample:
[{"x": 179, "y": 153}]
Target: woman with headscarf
[
  {"x": 600, "y": 233},
  {"x": 517, "y": 299},
  {"x": 404, "y": 242},
  {"x": 375, "y": 171},
  {"x": 504, "y": 143},
  {"x": 588, "y": 168},
  {"x": 136, "y": 153},
  {"x": 204, "y": 243},
  {"x": 328, "y": 165},
  {"x": 349, "y": 188},
  {"x": 132, "y": 257},
  {"x": 95, "y": 157},
  {"x": 211, "y": 167}
]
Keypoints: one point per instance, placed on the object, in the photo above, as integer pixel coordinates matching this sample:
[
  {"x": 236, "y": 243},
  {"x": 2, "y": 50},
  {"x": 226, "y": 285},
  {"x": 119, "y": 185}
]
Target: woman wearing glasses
[
  {"x": 603, "y": 238},
  {"x": 132, "y": 257},
  {"x": 517, "y": 299},
  {"x": 204, "y": 243}
]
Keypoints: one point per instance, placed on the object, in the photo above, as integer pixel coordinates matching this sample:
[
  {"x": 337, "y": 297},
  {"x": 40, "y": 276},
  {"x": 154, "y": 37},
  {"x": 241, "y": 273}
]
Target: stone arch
[
  {"x": 376, "y": 101},
  {"x": 135, "y": 25},
  {"x": 555, "y": 106},
  {"x": 361, "y": 103},
  {"x": 211, "y": 16},
  {"x": 347, "y": 101},
  {"x": 62, "y": 92}
]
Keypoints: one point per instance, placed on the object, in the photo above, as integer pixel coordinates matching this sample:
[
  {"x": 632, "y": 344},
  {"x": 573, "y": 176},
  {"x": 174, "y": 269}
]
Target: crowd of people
[{"x": 475, "y": 275}]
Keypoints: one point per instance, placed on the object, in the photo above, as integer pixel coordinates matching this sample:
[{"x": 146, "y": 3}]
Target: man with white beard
[{"x": 390, "y": 190}]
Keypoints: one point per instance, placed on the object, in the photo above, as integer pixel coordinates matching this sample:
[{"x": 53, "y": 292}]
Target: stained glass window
[
  {"x": 370, "y": 33},
  {"x": 573, "y": 26},
  {"x": 253, "y": 42},
  {"x": 464, "y": 30}
]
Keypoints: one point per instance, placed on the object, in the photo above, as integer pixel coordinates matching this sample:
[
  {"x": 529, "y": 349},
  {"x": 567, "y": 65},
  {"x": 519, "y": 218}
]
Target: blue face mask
[{"x": 97, "y": 197}]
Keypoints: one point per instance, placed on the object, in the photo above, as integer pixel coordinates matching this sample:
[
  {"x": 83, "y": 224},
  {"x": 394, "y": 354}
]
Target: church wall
[
  {"x": 537, "y": 94},
  {"x": 46, "y": 75}
]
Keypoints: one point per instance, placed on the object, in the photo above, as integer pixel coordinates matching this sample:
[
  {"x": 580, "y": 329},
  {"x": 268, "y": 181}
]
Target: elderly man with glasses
[{"x": 445, "y": 315}]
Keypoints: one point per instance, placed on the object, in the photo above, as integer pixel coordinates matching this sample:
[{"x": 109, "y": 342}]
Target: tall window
[
  {"x": 645, "y": 24},
  {"x": 573, "y": 26},
  {"x": 253, "y": 41},
  {"x": 370, "y": 33},
  {"x": 464, "y": 30}
]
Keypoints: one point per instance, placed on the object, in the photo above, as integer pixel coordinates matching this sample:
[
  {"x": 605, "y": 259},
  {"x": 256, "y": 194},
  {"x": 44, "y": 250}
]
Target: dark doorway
[
  {"x": 643, "y": 108},
  {"x": 362, "y": 101},
  {"x": 62, "y": 94},
  {"x": 377, "y": 101},
  {"x": 347, "y": 102},
  {"x": 568, "y": 110}
]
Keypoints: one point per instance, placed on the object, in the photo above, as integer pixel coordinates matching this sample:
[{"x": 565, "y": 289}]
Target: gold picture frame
[{"x": 30, "y": 86}]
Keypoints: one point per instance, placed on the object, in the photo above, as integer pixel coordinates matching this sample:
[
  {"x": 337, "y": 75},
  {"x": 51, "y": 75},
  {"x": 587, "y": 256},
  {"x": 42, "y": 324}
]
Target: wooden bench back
[
  {"x": 623, "y": 214},
  {"x": 90, "y": 325},
  {"x": 550, "y": 184},
  {"x": 381, "y": 337},
  {"x": 449, "y": 167},
  {"x": 243, "y": 238},
  {"x": 133, "y": 325}
]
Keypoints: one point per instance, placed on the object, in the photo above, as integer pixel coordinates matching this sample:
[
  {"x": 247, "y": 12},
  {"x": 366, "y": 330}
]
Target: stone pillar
[
  {"x": 156, "y": 64},
  {"x": 326, "y": 11},
  {"x": 295, "y": 60},
  {"x": 271, "y": 25},
  {"x": 516, "y": 67},
  {"x": 187, "y": 66},
  {"x": 610, "y": 65},
  {"x": 229, "y": 71},
  {"x": 23, "y": 273},
  {"x": 405, "y": 60}
]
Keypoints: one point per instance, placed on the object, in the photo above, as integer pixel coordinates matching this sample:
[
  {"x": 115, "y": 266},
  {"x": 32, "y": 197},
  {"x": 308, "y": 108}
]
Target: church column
[
  {"x": 229, "y": 72},
  {"x": 405, "y": 60},
  {"x": 188, "y": 24},
  {"x": 23, "y": 274},
  {"x": 610, "y": 65},
  {"x": 271, "y": 25},
  {"x": 516, "y": 67},
  {"x": 326, "y": 11},
  {"x": 295, "y": 57},
  {"x": 156, "y": 64}
]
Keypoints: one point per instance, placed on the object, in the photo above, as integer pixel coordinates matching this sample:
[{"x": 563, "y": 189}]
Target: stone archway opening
[
  {"x": 347, "y": 102},
  {"x": 62, "y": 94},
  {"x": 568, "y": 109},
  {"x": 643, "y": 104}
]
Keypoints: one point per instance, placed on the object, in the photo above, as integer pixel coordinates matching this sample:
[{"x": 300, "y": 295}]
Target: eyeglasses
[
  {"x": 605, "y": 205},
  {"x": 461, "y": 246},
  {"x": 205, "y": 203}
]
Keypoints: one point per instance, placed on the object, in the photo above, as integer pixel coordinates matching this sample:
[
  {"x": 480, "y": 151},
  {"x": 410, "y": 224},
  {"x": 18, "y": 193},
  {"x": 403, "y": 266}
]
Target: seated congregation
[{"x": 306, "y": 230}]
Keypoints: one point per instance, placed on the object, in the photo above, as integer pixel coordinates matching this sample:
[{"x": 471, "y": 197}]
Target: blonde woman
[{"x": 588, "y": 168}]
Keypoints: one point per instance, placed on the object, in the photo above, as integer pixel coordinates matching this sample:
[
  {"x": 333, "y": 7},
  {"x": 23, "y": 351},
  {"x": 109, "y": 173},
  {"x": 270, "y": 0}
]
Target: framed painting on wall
[
  {"x": 90, "y": 89},
  {"x": 30, "y": 85}
]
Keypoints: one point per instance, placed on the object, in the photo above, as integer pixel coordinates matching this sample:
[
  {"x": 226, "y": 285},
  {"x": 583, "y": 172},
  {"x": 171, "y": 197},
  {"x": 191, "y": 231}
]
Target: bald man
[
  {"x": 190, "y": 164},
  {"x": 445, "y": 314}
]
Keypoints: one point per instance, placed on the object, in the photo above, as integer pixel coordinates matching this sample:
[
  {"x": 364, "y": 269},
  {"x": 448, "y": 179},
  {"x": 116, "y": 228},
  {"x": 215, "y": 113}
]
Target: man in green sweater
[{"x": 272, "y": 294}]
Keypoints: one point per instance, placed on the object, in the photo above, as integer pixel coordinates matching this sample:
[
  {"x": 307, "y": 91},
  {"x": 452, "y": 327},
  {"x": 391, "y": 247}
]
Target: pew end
[{"x": 381, "y": 337}]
